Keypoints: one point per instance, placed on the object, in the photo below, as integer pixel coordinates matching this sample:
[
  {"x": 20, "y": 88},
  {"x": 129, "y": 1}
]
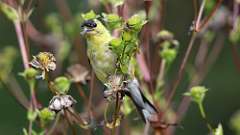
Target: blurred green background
[{"x": 222, "y": 100}]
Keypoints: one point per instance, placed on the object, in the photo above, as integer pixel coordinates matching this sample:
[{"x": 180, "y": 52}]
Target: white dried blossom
[{"x": 61, "y": 102}]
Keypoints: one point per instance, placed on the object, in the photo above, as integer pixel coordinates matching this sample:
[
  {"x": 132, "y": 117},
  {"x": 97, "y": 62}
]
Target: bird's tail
[{"x": 143, "y": 105}]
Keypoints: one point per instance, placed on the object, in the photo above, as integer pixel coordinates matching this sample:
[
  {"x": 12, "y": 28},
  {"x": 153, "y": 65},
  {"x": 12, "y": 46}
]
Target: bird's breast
[{"x": 103, "y": 61}]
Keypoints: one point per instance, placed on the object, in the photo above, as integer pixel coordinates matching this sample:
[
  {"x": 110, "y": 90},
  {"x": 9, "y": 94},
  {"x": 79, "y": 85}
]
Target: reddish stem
[
  {"x": 236, "y": 58},
  {"x": 22, "y": 45},
  {"x": 143, "y": 66},
  {"x": 206, "y": 20},
  {"x": 182, "y": 69}
]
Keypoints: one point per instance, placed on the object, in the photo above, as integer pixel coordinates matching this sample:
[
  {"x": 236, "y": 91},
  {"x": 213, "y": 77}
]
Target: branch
[{"x": 22, "y": 44}]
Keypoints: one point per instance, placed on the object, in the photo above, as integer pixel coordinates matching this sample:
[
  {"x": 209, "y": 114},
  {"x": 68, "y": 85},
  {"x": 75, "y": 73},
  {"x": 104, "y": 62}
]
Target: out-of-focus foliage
[
  {"x": 218, "y": 130},
  {"x": 9, "y": 11},
  {"x": 234, "y": 122},
  {"x": 7, "y": 58},
  {"x": 235, "y": 34},
  {"x": 113, "y": 2}
]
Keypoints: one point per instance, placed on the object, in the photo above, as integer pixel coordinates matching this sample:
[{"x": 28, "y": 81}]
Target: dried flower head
[
  {"x": 61, "y": 102},
  {"x": 115, "y": 84},
  {"x": 44, "y": 61},
  {"x": 78, "y": 73}
]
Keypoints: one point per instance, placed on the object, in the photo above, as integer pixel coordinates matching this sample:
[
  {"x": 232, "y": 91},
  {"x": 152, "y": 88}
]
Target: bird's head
[
  {"x": 89, "y": 27},
  {"x": 92, "y": 27},
  {"x": 94, "y": 31}
]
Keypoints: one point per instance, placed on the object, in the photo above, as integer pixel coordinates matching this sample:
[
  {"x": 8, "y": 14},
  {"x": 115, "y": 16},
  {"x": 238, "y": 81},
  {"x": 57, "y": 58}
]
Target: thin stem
[
  {"x": 202, "y": 110},
  {"x": 105, "y": 113},
  {"x": 236, "y": 58},
  {"x": 77, "y": 117},
  {"x": 50, "y": 132},
  {"x": 182, "y": 69},
  {"x": 203, "y": 114},
  {"x": 92, "y": 85},
  {"x": 146, "y": 128},
  {"x": 143, "y": 66},
  {"x": 30, "y": 127},
  {"x": 117, "y": 109},
  {"x": 34, "y": 99},
  {"x": 46, "y": 76},
  {"x": 162, "y": 14},
  {"x": 32, "y": 107},
  {"x": 162, "y": 70},
  {"x": 14, "y": 88},
  {"x": 81, "y": 92},
  {"x": 70, "y": 123},
  {"x": 195, "y": 5},
  {"x": 200, "y": 15},
  {"x": 235, "y": 15},
  {"x": 146, "y": 44},
  {"x": 202, "y": 69},
  {"x": 22, "y": 44},
  {"x": 206, "y": 20}
]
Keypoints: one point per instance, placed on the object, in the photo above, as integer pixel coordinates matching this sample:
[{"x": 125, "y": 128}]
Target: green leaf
[
  {"x": 9, "y": 11},
  {"x": 126, "y": 36},
  {"x": 61, "y": 85},
  {"x": 31, "y": 115},
  {"x": 218, "y": 130},
  {"x": 116, "y": 42},
  {"x": 89, "y": 15},
  {"x": 197, "y": 93},
  {"x": 111, "y": 17},
  {"x": 113, "y": 20},
  {"x": 136, "y": 22},
  {"x": 116, "y": 46},
  {"x": 25, "y": 131},
  {"x": 46, "y": 115}
]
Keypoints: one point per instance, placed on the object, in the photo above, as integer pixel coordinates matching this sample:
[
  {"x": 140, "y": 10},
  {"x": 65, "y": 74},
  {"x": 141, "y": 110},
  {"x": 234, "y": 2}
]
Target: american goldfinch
[{"x": 104, "y": 63}]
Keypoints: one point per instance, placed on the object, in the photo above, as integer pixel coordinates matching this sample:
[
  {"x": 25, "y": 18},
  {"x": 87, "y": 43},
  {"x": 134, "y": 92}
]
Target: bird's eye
[{"x": 89, "y": 24}]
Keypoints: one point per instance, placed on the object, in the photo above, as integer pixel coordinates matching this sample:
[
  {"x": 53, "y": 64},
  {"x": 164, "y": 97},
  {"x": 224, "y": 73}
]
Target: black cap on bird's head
[
  {"x": 88, "y": 27},
  {"x": 89, "y": 24}
]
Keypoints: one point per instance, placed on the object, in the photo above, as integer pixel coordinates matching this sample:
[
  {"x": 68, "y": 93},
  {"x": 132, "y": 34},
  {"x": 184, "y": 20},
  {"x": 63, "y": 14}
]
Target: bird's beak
[{"x": 84, "y": 31}]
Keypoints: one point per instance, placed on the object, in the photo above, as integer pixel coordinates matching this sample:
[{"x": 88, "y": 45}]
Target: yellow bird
[{"x": 104, "y": 63}]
